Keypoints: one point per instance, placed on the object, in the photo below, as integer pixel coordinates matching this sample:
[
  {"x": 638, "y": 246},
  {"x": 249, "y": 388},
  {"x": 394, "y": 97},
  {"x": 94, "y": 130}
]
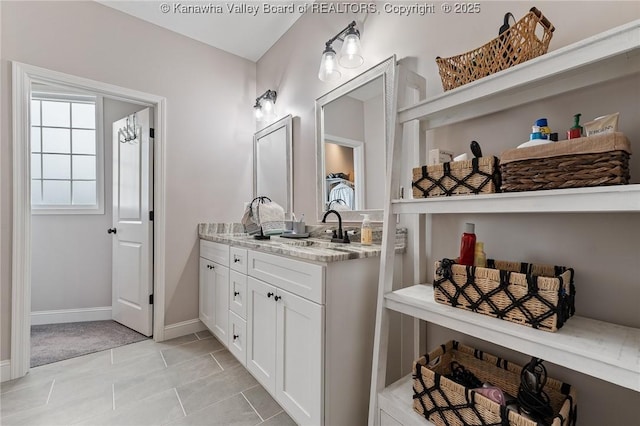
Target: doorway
[
  {"x": 72, "y": 170},
  {"x": 24, "y": 76}
]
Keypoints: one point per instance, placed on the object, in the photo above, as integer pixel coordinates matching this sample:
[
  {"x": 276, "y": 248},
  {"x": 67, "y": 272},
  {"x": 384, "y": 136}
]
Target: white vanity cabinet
[
  {"x": 303, "y": 329},
  {"x": 214, "y": 288},
  {"x": 285, "y": 332}
]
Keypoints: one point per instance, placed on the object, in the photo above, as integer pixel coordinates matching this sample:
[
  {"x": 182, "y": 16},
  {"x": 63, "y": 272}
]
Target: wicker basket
[
  {"x": 447, "y": 403},
  {"x": 475, "y": 176},
  {"x": 516, "y": 45},
  {"x": 598, "y": 160},
  {"x": 538, "y": 296}
]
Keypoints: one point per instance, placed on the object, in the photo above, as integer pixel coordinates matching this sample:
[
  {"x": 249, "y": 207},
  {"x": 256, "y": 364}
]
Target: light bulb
[
  {"x": 350, "y": 55},
  {"x": 328, "y": 66}
]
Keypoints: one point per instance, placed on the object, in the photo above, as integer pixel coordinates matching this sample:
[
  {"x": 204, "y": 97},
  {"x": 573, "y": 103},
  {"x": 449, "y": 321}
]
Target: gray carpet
[{"x": 55, "y": 342}]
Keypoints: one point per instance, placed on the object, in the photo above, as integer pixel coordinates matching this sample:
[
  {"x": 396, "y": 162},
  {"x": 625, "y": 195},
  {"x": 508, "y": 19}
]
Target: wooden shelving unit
[{"x": 608, "y": 351}]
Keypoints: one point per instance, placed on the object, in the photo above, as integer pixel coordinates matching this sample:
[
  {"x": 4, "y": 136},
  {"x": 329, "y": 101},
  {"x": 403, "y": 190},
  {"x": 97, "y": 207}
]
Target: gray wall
[
  {"x": 71, "y": 254},
  {"x": 591, "y": 243},
  {"x": 209, "y": 121}
]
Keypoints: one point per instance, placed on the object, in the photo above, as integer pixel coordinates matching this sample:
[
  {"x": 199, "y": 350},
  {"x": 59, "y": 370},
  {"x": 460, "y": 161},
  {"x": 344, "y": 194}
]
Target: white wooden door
[
  {"x": 132, "y": 280},
  {"x": 261, "y": 332},
  {"x": 220, "y": 326},
  {"x": 206, "y": 285},
  {"x": 299, "y": 357}
]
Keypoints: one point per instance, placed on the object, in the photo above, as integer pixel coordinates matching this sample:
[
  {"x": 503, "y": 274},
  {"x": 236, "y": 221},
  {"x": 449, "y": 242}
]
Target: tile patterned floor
[{"x": 191, "y": 380}]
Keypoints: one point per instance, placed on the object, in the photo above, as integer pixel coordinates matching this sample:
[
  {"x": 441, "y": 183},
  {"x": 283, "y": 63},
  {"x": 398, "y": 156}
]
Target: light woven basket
[
  {"x": 538, "y": 296},
  {"x": 475, "y": 176},
  {"x": 518, "y": 44},
  {"x": 447, "y": 403}
]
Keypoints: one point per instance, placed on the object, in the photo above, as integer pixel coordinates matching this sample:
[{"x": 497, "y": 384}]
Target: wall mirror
[
  {"x": 353, "y": 132},
  {"x": 272, "y": 163}
]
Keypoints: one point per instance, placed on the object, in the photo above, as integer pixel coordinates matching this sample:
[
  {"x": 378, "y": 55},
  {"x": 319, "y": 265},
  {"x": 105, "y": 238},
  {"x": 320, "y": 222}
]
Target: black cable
[{"x": 532, "y": 398}]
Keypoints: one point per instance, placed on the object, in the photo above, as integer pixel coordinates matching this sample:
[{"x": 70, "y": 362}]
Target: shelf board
[
  {"x": 604, "y": 57},
  {"x": 397, "y": 401},
  {"x": 603, "y": 350},
  {"x": 622, "y": 198}
]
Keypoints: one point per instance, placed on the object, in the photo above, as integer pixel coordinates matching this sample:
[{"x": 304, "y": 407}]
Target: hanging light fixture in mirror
[
  {"x": 350, "y": 55},
  {"x": 265, "y": 109}
]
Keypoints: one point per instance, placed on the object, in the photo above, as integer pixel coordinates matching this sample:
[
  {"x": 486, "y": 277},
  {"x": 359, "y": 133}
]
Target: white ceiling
[{"x": 239, "y": 31}]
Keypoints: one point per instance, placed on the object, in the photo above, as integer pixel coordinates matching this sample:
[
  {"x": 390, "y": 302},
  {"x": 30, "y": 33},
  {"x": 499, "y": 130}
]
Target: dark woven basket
[
  {"x": 447, "y": 403},
  {"x": 568, "y": 171},
  {"x": 475, "y": 176},
  {"x": 538, "y": 296},
  {"x": 590, "y": 161}
]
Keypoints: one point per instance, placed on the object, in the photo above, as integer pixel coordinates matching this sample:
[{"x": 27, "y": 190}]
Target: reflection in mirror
[
  {"x": 272, "y": 169},
  {"x": 351, "y": 141}
]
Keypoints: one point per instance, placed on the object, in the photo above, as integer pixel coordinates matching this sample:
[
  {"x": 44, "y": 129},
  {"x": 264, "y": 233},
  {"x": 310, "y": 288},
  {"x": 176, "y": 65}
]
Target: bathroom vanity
[{"x": 299, "y": 314}]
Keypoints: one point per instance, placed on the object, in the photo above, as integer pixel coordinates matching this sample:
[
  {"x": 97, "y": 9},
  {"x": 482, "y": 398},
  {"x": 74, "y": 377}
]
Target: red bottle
[{"x": 467, "y": 245}]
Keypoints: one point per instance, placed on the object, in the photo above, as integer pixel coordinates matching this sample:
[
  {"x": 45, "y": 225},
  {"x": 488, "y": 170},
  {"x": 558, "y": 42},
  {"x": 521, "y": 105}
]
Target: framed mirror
[
  {"x": 353, "y": 132},
  {"x": 272, "y": 163}
]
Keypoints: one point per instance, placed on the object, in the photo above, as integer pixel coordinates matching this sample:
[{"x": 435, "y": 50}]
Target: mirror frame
[
  {"x": 285, "y": 122},
  {"x": 387, "y": 70}
]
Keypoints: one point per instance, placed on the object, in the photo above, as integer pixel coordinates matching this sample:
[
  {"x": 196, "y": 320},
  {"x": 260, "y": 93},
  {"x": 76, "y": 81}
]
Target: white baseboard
[
  {"x": 5, "y": 370},
  {"x": 71, "y": 315},
  {"x": 183, "y": 328}
]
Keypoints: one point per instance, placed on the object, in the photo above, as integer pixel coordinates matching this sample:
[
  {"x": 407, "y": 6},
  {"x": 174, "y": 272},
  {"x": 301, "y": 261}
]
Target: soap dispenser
[{"x": 366, "y": 232}]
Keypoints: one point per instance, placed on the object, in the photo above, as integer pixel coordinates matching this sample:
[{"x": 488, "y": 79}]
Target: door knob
[
  {"x": 277, "y": 298},
  {"x": 235, "y": 337},
  {"x": 235, "y": 293},
  {"x": 269, "y": 294},
  {"x": 111, "y": 231}
]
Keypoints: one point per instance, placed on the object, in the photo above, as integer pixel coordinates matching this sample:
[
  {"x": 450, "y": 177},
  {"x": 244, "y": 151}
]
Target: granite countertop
[{"x": 318, "y": 247}]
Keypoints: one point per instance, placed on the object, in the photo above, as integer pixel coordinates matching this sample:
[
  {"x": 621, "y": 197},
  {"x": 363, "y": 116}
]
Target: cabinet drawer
[
  {"x": 238, "y": 294},
  {"x": 300, "y": 278},
  {"x": 238, "y": 338},
  {"x": 215, "y": 252},
  {"x": 238, "y": 259}
]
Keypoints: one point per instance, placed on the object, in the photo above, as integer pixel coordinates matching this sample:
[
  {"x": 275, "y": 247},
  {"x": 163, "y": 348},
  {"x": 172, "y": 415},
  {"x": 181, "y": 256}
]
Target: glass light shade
[
  {"x": 269, "y": 113},
  {"x": 328, "y": 66},
  {"x": 351, "y": 53},
  {"x": 258, "y": 112}
]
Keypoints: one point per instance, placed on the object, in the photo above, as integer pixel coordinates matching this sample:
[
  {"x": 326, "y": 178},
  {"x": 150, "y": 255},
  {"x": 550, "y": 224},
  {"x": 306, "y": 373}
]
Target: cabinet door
[
  {"x": 220, "y": 326},
  {"x": 261, "y": 332},
  {"x": 299, "y": 357},
  {"x": 205, "y": 297}
]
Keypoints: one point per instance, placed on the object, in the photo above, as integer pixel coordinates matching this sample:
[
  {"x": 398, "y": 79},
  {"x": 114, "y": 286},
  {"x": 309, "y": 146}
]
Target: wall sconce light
[
  {"x": 265, "y": 108},
  {"x": 350, "y": 55}
]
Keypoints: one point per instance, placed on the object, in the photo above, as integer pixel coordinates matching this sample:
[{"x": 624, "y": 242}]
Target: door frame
[{"x": 23, "y": 75}]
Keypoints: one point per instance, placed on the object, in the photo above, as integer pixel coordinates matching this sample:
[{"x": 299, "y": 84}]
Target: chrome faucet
[{"x": 338, "y": 236}]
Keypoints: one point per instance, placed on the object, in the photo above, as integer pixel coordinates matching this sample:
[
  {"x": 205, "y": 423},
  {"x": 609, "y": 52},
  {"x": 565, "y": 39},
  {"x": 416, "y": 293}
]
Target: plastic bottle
[
  {"x": 576, "y": 130},
  {"x": 467, "y": 245},
  {"x": 479, "y": 257},
  {"x": 366, "y": 233}
]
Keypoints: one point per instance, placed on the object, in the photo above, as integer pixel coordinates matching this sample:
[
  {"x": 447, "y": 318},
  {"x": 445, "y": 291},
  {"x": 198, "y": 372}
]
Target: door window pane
[
  {"x": 83, "y": 141},
  {"x": 56, "y": 140},
  {"x": 84, "y": 192},
  {"x": 35, "y": 113},
  {"x": 36, "y": 160},
  {"x": 35, "y": 140},
  {"x": 84, "y": 167},
  {"x": 56, "y": 166},
  {"x": 83, "y": 115},
  {"x": 56, "y": 192},
  {"x": 36, "y": 191},
  {"x": 56, "y": 114}
]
